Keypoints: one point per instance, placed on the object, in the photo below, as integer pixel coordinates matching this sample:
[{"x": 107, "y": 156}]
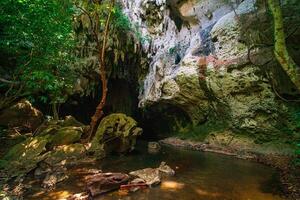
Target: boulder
[
  {"x": 66, "y": 135},
  {"x": 24, "y": 156},
  {"x": 153, "y": 176},
  {"x": 105, "y": 182},
  {"x": 153, "y": 147},
  {"x": 116, "y": 133},
  {"x": 65, "y": 154},
  {"x": 21, "y": 115},
  {"x": 165, "y": 169},
  {"x": 52, "y": 126}
]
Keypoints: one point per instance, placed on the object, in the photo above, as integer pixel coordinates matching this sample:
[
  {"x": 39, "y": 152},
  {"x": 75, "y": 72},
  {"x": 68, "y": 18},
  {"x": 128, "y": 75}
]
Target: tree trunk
[
  {"x": 103, "y": 75},
  {"x": 55, "y": 112},
  {"x": 280, "y": 50}
]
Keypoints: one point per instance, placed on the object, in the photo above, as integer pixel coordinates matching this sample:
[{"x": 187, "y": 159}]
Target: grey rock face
[{"x": 201, "y": 61}]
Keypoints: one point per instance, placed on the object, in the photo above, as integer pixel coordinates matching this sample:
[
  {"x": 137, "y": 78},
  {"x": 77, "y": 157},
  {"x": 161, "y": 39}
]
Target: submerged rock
[
  {"x": 21, "y": 115},
  {"x": 105, "y": 182},
  {"x": 116, "y": 133},
  {"x": 153, "y": 147}
]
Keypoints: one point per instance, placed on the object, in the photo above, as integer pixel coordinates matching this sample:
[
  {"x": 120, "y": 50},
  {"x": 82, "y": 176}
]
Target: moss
[
  {"x": 30, "y": 147},
  {"x": 24, "y": 156},
  {"x": 200, "y": 132},
  {"x": 116, "y": 132},
  {"x": 66, "y": 135},
  {"x": 66, "y": 152}
]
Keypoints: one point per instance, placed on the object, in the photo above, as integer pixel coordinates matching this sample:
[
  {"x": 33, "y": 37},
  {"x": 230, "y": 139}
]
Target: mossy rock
[
  {"x": 52, "y": 126},
  {"x": 116, "y": 133},
  {"x": 71, "y": 121},
  {"x": 24, "y": 156},
  {"x": 48, "y": 130},
  {"x": 66, "y": 135},
  {"x": 65, "y": 153}
]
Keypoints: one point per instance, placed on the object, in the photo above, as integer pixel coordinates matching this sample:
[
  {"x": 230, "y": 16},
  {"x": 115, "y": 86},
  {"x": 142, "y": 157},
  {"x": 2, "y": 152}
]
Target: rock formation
[{"x": 212, "y": 60}]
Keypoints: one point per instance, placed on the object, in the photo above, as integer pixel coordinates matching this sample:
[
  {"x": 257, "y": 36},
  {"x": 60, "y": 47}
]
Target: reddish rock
[{"x": 105, "y": 182}]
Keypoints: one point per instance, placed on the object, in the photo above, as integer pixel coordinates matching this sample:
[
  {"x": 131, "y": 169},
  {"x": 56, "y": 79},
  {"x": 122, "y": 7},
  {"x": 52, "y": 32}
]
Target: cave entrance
[
  {"x": 163, "y": 120},
  {"x": 122, "y": 98}
]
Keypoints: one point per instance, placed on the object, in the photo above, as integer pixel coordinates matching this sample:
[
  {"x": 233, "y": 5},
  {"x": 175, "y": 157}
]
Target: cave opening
[
  {"x": 163, "y": 120},
  {"x": 122, "y": 98}
]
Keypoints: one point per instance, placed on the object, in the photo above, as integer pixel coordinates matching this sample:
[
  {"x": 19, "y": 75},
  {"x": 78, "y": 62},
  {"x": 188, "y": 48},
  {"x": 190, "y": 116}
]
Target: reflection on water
[{"x": 199, "y": 176}]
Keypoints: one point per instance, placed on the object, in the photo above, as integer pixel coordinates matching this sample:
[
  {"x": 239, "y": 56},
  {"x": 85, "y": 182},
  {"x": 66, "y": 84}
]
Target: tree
[
  {"x": 106, "y": 20},
  {"x": 280, "y": 50},
  {"x": 39, "y": 36}
]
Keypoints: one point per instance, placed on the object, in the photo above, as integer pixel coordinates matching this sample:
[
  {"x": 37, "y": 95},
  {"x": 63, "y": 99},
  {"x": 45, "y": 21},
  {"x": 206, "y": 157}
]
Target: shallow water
[{"x": 199, "y": 176}]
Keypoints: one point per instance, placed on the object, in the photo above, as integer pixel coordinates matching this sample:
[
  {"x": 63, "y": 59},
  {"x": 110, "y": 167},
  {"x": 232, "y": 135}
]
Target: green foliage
[
  {"x": 121, "y": 21},
  {"x": 39, "y": 35}
]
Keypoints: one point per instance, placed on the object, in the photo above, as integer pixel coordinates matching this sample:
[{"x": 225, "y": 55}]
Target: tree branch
[{"x": 8, "y": 81}]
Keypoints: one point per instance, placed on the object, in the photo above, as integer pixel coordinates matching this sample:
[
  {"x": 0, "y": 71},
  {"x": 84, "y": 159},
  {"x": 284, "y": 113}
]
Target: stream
[{"x": 199, "y": 176}]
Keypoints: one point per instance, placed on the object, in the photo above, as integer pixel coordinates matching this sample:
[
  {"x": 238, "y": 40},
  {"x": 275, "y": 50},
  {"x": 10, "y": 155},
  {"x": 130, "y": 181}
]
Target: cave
[
  {"x": 122, "y": 98},
  {"x": 162, "y": 120}
]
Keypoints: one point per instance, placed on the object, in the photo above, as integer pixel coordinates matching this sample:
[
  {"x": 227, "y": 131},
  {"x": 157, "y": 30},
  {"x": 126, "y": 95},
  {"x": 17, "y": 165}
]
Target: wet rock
[
  {"x": 134, "y": 185},
  {"x": 137, "y": 181},
  {"x": 116, "y": 133},
  {"x": 153, "y": 176},
  {"x": 153, "y": 147},
  {"x": 53, "y": 178},
  {"x": 21, "y": 115},
  {"x": 105, "y": 182},
  {"x": 87, "y": 171},
  {"x": 149, "y": 175},
  {"x": 42, "y": 170},
  {"x": 79, "y": 196},
  {"x": 166, "y": 169}
]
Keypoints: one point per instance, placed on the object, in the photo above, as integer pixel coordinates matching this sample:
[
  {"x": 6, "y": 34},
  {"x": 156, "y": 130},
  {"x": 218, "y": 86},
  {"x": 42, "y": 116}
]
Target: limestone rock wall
[{"x": 213, "y": 60}]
